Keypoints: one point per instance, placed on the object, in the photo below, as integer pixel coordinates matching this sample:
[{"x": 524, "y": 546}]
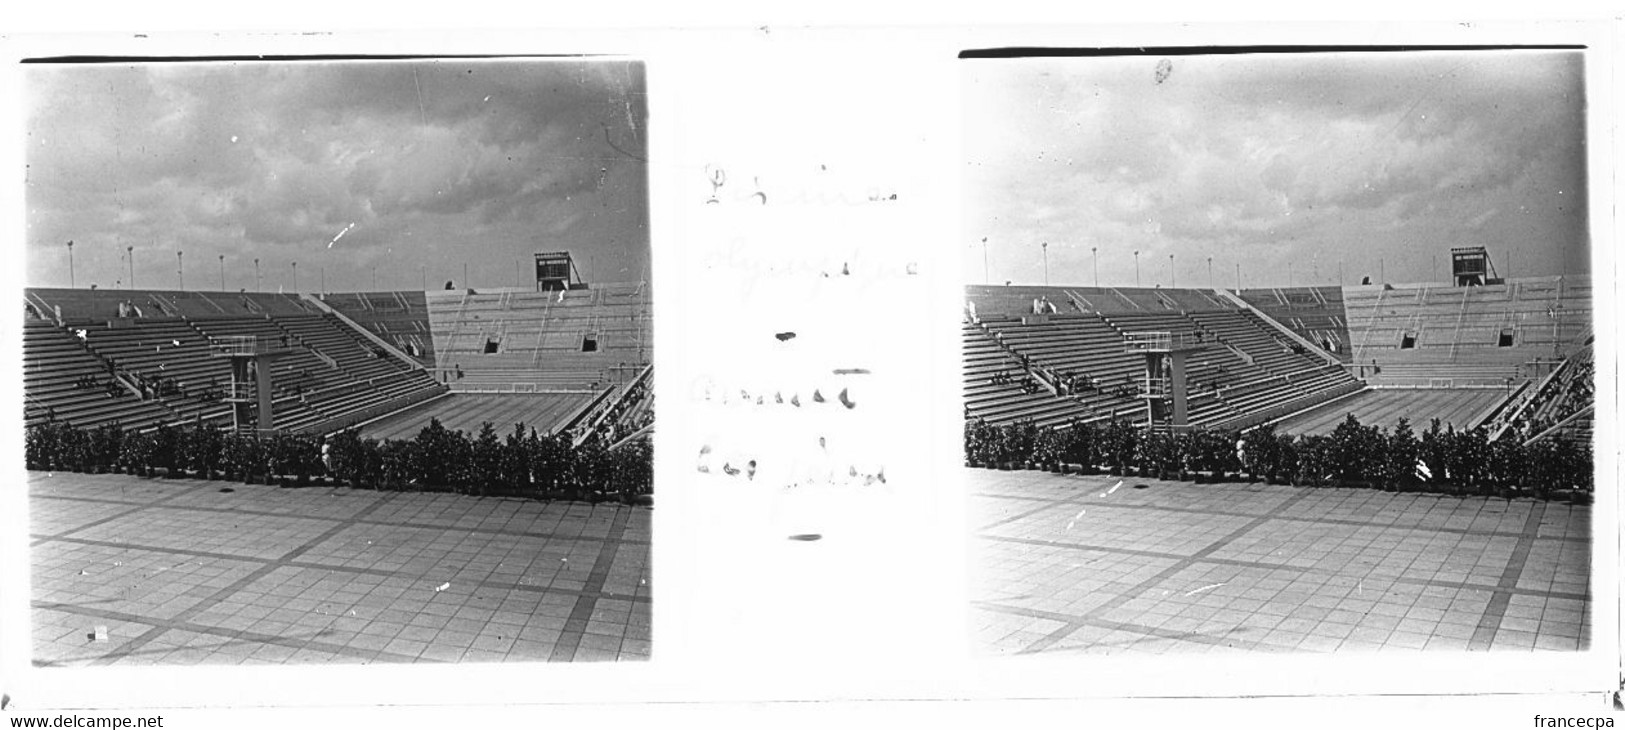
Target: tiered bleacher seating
[
  {"x": 1247, "y": 369},
  {"x": 1456, "y": 333},
  {"x": 103, "y": 304},
  {"x": 1018, "y": 300},
  {"x": 1565, "y": 407},
  {"x": 1316, "y": 313},
  {"x": 999, "y": 402},
  {"x": 1254, "y": 369},
  {"x": 575, "y": 338},
  {"x": 163, "y": 350},
  {"x": 328, "y": 370},
  {"x": 327, "y": 373},
  {"x": 55, "y": 362},
  {"x": 400, "y": 318}
]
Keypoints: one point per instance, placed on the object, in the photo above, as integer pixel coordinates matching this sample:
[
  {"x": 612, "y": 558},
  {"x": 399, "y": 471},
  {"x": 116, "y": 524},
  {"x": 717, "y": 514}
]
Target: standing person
[{"x": 327, "y": 455}]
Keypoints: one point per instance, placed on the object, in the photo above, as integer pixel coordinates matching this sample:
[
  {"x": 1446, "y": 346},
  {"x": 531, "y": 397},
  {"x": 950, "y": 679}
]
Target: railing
[
  {"x": 240, "y": 391},
  {"x": 1160, "y": 341},
  {"x": 234, "y": 345}
]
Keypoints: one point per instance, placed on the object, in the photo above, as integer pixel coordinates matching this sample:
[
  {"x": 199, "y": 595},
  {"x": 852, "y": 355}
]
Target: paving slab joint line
[
  {"x": 575, "y": 627},
  {"x": 1490, "y": 623},
  {"x": 1117, "y": 601},
  {"x": 96, "y": 523},
  {"x": 214, "y": 599}
]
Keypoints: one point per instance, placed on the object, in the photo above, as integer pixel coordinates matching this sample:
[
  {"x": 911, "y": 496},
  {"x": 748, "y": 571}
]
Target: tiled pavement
[
  {"x": 183, "y": 572},
  {"x": 1068, "y": 564}
]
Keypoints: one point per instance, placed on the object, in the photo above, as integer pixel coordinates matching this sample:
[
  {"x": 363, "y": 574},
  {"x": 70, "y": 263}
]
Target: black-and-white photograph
[
  {"x": 1278, "y": 351},
  {"x": 337, "y": 361}
]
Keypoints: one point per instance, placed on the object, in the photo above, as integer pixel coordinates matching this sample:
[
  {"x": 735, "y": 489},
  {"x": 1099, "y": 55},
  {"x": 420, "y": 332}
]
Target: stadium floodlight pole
[
  {"x": 70, "y": 265},
  {"x": 324, "y": 279},
  {"x": 180, "y": 271},
  {"x": 1173, "y": 276},
  {"x": 465, "y": 274},
  {"x": 222, "y": 272},
  {"x": 1136, "y": 268},
  {"x": 423, "y": 275},
  {"x": 1238, "y": 278},
  {"x": 295, "y": 266},
  {"x": 259, "y": 282},
  {"x": 130, "y": 251},
  {"x": 1045, "y": 246},
  {"x": 1095, "y": 251},
  {"x": 1210, "y": 272}
]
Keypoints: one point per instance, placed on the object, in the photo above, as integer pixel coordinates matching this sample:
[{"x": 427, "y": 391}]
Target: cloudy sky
[
  {"x": 1288, "y": 165},
  {"x": 424, "y": 166}
]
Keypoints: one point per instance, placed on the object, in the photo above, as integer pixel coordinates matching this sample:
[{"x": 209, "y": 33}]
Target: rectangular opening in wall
[
  {"x": 589, "y": 343},
  {"x": 1407, "y": 341},
  {"x": 1506, "y": 338}
]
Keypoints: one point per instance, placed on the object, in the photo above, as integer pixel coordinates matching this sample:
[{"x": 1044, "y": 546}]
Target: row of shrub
[
  {"x": 1439, "y": 459},
  {"x": 524, "y": 463}
]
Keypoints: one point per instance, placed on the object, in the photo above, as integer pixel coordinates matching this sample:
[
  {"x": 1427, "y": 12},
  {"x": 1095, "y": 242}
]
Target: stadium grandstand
[
  {"x": 385, "y": 362},
  {"x": 1493, "y": 353}
]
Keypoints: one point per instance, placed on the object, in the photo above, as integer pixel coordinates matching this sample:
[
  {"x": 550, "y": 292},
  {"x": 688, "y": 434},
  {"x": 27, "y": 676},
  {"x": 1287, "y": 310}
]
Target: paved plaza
[
  {"x": 206, "y": 572},
  {"x": 1068, "y": 564}
]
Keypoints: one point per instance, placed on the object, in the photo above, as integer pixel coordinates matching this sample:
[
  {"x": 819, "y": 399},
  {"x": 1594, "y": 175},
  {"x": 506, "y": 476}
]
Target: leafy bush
[
  {"x": 1350, "y": 451},
  {"x": 1121, "y": 444},
  {"x": 1317, "y": 460},
  {"x": 204, "y": 450},
  {"x": 135, "y": 453},
  {"x": 526, "y": 463},
  {"x": 485, "y": 461},
  {"x": 348, "y": 457},
  {"x": 1049, "y": 445},
  {"x": 1081, "y": 445},
  {"x": 1394, "y": 460}
]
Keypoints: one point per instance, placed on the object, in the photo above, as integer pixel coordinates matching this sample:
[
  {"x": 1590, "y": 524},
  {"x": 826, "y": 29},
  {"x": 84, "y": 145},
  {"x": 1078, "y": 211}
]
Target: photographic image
[
  {"x": 337, "y": 360},
  {"x": 1276, "y": 350}
]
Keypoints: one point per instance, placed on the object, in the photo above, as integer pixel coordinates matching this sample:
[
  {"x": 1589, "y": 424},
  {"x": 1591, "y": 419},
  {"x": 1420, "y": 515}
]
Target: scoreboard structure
[
  {"x": 1471, "y": 266},
  {"x": 556, "y": 271}
]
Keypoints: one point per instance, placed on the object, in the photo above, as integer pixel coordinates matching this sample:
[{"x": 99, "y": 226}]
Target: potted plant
[
  {"x": 205, "y": 446},
  {"x": 1509, "y": 464},
  {"x": 135, "y": 453},
  {"x": 108, "y": 442},
  {"x": 1047, "y": 447},
  {"x": 485, "y": 461},
  {"x": 398, "y": 463},
  {"x": 74, "y": 449},
  {"x": 167, "y": 450},
  {"x": 1314, "y": 460},
  {"x": 515, "y": 467},
  {"x": 371, "y": 464},
  {"x": 346, "y": 458},
  {"x": 1262, "y": 452}
]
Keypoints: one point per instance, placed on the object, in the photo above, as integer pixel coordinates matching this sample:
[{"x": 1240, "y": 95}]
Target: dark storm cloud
[
  {"x": 435, "y": 163},
  {"x": 1261, "y": 160}
]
